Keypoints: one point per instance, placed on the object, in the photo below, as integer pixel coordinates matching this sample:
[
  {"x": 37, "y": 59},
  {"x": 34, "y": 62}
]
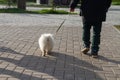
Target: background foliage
[{"x": 14, "y": 1}]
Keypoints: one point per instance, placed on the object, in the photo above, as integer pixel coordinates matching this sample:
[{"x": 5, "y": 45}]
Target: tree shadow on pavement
[{"x": 58, "y": 66}]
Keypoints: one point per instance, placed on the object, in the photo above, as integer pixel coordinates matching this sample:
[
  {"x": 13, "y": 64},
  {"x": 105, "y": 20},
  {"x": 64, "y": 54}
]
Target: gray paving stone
[{"x": 20, "y": 56}]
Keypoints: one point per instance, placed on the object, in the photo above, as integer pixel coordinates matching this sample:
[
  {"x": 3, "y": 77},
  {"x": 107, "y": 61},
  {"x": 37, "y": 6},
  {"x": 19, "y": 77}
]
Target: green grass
[
  {"x": 2, "y": 1},
  {"x": 43, "y": 11},
  {"x": 12, "y": 10},
  {"x": 117, "y": 26},
  {"x": 50, "y": 11},
  {"x": 116, "y": 3}
]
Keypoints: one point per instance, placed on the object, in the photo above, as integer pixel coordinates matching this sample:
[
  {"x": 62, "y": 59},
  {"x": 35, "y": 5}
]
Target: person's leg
[
  {"x": 86, "y": 36},
  {"x": 96, "y": 38}
]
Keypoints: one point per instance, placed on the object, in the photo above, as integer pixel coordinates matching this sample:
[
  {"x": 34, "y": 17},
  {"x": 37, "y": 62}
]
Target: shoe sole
[
  {"x": 93, "y": 56},
  {"x": 85, "y": 51}
]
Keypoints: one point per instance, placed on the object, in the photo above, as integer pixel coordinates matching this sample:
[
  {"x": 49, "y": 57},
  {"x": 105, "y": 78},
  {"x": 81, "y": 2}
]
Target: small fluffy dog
[{"x": 46, "y": 43}]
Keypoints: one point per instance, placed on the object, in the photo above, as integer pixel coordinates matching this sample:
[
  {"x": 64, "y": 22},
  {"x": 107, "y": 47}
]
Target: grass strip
[
  {"x": 118, "y": 27},
  {"x": 43, "y": 11}
]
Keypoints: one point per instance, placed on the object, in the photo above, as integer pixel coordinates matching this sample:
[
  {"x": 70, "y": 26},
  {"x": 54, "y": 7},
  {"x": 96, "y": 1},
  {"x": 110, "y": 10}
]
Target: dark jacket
[{"x": 92, "y": 10}]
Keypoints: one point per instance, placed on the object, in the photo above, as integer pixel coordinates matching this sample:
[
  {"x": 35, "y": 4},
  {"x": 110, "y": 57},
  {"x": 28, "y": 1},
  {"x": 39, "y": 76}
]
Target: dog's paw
[{"x": 43, "y": 55}]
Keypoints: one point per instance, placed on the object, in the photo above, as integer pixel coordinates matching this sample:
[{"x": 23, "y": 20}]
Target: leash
[{"x": 62, "y": 23}]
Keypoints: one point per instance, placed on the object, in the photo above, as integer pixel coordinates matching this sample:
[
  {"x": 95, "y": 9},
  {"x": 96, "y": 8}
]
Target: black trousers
[{"x": 97, "y": 25}]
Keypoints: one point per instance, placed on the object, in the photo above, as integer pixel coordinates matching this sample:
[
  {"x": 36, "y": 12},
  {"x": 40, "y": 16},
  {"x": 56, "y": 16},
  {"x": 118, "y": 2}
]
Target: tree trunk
[{"x": 21, "y": 4}]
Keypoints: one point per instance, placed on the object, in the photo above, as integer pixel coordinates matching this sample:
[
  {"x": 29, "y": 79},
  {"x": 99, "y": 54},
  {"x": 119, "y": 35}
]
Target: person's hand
[{"x": 72, "y": 10}]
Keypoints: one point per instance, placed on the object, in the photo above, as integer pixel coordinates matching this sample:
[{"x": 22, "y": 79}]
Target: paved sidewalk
[{"x": 20, "y": 57}]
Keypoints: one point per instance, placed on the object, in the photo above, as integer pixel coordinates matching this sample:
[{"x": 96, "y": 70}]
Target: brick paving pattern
[{"x": 20, "y": 56}]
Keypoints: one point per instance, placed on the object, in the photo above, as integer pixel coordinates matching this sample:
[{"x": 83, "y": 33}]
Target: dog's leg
[
  {"x": 46, "y": 53},
  {"x": 43, "y": 53}
]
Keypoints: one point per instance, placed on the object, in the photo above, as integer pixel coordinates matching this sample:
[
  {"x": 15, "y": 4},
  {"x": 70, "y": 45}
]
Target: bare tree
[{"x": 21, "y": 4}]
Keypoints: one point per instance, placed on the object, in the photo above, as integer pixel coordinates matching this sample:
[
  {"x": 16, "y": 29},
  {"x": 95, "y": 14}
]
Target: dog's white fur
[{"x": 46, "y": 43}]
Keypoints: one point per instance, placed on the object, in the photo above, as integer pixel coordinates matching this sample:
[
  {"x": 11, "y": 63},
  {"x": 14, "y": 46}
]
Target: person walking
[{"x": 93, "y": 13}]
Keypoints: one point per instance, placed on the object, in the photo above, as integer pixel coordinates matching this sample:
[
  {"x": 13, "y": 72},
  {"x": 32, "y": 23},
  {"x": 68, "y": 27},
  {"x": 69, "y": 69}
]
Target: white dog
[{"x": 46, "y": 43}]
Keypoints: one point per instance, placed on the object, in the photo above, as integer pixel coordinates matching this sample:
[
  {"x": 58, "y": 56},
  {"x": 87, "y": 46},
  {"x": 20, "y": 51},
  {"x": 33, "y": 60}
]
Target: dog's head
[{"x": 48, "y": 35}]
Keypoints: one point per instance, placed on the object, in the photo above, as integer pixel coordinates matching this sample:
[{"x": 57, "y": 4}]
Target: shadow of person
[
  {"x": 59, "y": 66},
  {"x": 112, "y": 60}
]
